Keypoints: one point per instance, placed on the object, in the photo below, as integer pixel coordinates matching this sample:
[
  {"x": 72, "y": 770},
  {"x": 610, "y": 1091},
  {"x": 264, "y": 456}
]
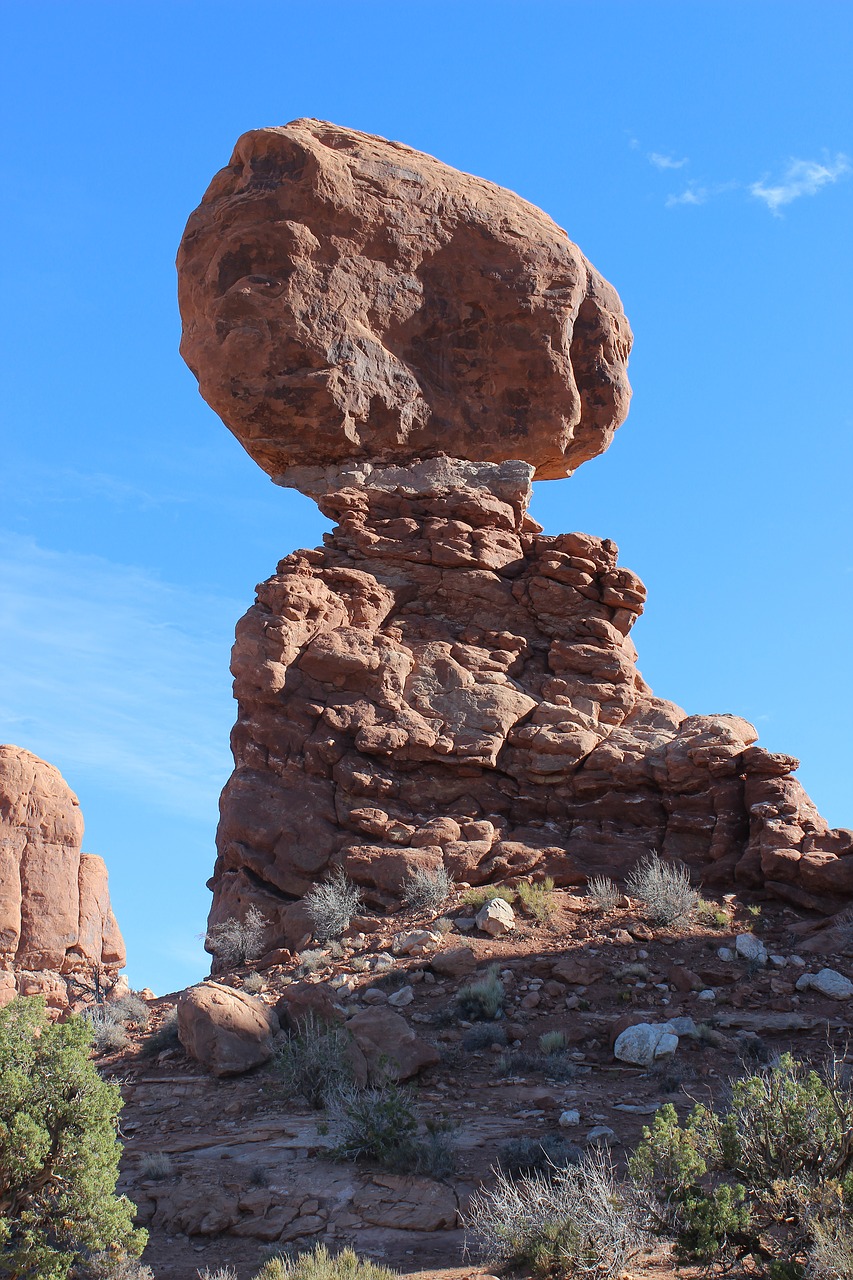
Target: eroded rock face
[
  {"x": 344, "y": 297},
  {"x": 443, "y": 685},
  {"x": 56, "y": 922}
]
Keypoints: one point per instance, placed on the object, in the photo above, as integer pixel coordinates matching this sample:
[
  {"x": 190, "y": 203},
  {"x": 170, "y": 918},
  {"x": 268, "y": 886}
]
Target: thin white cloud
[
  {"x": 108, "y": 670},
  {"x": 801, "y": 178},
  {"x": 690, "y": 195},
  {"x": 665, "y": 162}
]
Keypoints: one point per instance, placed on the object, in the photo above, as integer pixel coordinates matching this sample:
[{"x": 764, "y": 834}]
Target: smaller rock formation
[{"x": 58, "y": 934}]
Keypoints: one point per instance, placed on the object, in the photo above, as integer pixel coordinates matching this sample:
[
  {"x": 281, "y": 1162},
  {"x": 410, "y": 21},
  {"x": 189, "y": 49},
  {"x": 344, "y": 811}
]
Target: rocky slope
[{"x": 58, "y": 934}]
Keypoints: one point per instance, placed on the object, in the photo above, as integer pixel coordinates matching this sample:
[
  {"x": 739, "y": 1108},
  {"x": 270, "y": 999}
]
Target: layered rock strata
[
  {"x": 58, "y": 934},
  {"x": 441, "y": 684},
  {"x": 348, "y": 298}
]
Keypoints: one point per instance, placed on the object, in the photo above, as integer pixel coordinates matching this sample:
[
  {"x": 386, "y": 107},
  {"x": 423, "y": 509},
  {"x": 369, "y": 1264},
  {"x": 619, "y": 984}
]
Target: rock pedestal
[
  {"x": 444, "y": 685},
  {"x": 58, "y": 934}
]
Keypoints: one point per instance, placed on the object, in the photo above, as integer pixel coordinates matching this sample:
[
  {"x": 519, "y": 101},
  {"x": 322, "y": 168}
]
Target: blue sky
[{"x": 699, "y": 152}]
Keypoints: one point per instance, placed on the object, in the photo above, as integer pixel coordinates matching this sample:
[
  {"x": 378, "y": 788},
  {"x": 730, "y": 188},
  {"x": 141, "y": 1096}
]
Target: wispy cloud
[
  {"x": 690, "y": 195},
  {"x": 661, "y": 161},
  {"x": 105, "y": 670},
  {"x": 801, "y": 178}
]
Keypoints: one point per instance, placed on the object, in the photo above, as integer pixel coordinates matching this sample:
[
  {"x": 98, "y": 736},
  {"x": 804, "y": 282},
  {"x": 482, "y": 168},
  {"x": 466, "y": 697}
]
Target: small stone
[
  {"x": 572, "y": 1002},
  {"x": 495, "y": 917},
  {"x": 778, "y": 962},
  {"x": 751, "y": 949},
  {"x": 707, "y": 994},
  {"x": 374, "y": 995},
  {"x": 725, "y": 953},
  {"x": 797, "y": 961},
  {"x": 402, "y": 997},
  {"x": 601, "y": 1133},
  {"x": 569, "y": 1119},
  {"x": 829, "y": 982}
]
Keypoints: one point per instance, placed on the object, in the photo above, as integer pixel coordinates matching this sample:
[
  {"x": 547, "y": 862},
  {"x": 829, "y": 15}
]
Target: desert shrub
[
  {"x": 831, "y": 1254},
  {"x": 157, "y": 1166},
  {"x": 603, "y": 893},
  {"x": 165, "y": 1037},
  {"x": 221, "y": 1273},
  {"x": 311, "y": 961},
  {"x": 314, "y": 1063},
  {"x": 110, "y": 1265},
  {"x": 768, "y": 1179},
  {"x": 483, "y": 1037},
  {"x": 253, "y": 983},
  {"x": 712, "y": 915},
  {"x": 259, "y": 1176},
  {"x": 483, "y": 999},
  {"x": 319, "y": 1264},
  {"x": 427, "y": 889},
  {"x": 234, "y": 941},
  {"x": 130, "y": 1010},
  {"x": 518, "y": 1062},
  {"x": 553, "y": 1042},
  {"x": 523, "y": 1156},
  {"x": 537, "y": 899},
  {"x": 486, "y": 892},
  {"x": 380, "y": 1124},
  {"x": 577, "y": 1221},
  {"x": 108, "y": 1033},
  {"x": 331, "y": 905},
  {"x": 664, "y": 889},
  {"x": 59, "y": 1154},
  {"x": 443, "y": 925}
]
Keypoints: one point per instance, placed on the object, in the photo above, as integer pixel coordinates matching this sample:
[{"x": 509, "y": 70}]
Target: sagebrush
[
  {"x": 234, "y": 941},
  {"x": 482, "y": 999},
  {"x": 315, "y": 1062},
  {"x": 665, "y": 890},
  {"x": 574, "y": 1221},
  {"x": 332, "y": 905},
  {"x": 427, "y": 889},
  {"x": 603, "y": 893}
]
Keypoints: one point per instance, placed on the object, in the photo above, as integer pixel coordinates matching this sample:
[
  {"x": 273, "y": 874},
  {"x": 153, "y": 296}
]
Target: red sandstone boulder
[
  {"x": 389, "y": 1044},
  {"x": 228, "y": 1031},
  {"x": 56, "y": 922},
  {"x": 345, "y": 297}
]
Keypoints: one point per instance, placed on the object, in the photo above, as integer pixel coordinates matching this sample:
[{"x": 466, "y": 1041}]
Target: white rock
[
  {"x": 402, "y": 997},
  {"x": 495, "y": 917},
  {"x": 643, "y": 1043},
  {"x": 725, "y": 953},
  {"x": 707, "y": 994},
  {"x": 751, "y": 948},
  {"x": 829, "y": 982},
  {"x": 778, "y": 962},
  {"x": 601, "y": 1133},
  {"x": 569, "y": 1119},
  {"x": 681, "y": 1026},
  {"x": 417, "y": 943},
  {"x": 797, "y": 961}
]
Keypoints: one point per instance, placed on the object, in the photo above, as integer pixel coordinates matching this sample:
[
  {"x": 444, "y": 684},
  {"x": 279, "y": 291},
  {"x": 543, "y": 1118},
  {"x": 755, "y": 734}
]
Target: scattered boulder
[
  {"x": 751, "y": 949},
  {"x": 829, "y": 982},
  {"x": 645, "y": 1042},
  {"x": 389, "y": 1044},
  {"x": 495, "y": 917},
  {"x": 308, "y": 1000},
  {"x": 227, "y": 1031},
  {"x": 456, "y": 962}
]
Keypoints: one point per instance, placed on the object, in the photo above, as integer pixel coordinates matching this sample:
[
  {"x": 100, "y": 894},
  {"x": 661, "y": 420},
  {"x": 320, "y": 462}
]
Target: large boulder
[
  {"x": 344, "y": 297},
  {"x": 55, "y": 913},
  {"x": 227, "y": 1031},
  {"x": 389, "y": 1044}
]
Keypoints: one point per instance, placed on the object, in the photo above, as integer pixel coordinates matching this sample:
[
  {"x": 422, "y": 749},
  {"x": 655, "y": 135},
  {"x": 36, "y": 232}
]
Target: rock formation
[
  {"x": 58, "y": 933},
  {"x": 441, "y": 684},
  {"x": 344, "y": 297}
]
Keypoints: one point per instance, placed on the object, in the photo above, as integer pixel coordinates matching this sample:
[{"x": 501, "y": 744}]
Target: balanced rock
[
  {"x": 440, "y": 686},
  {"x": 344, "y": 297},
  {"x": 58, "y": 934},
  {"x": 227, "y": 1031}
]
